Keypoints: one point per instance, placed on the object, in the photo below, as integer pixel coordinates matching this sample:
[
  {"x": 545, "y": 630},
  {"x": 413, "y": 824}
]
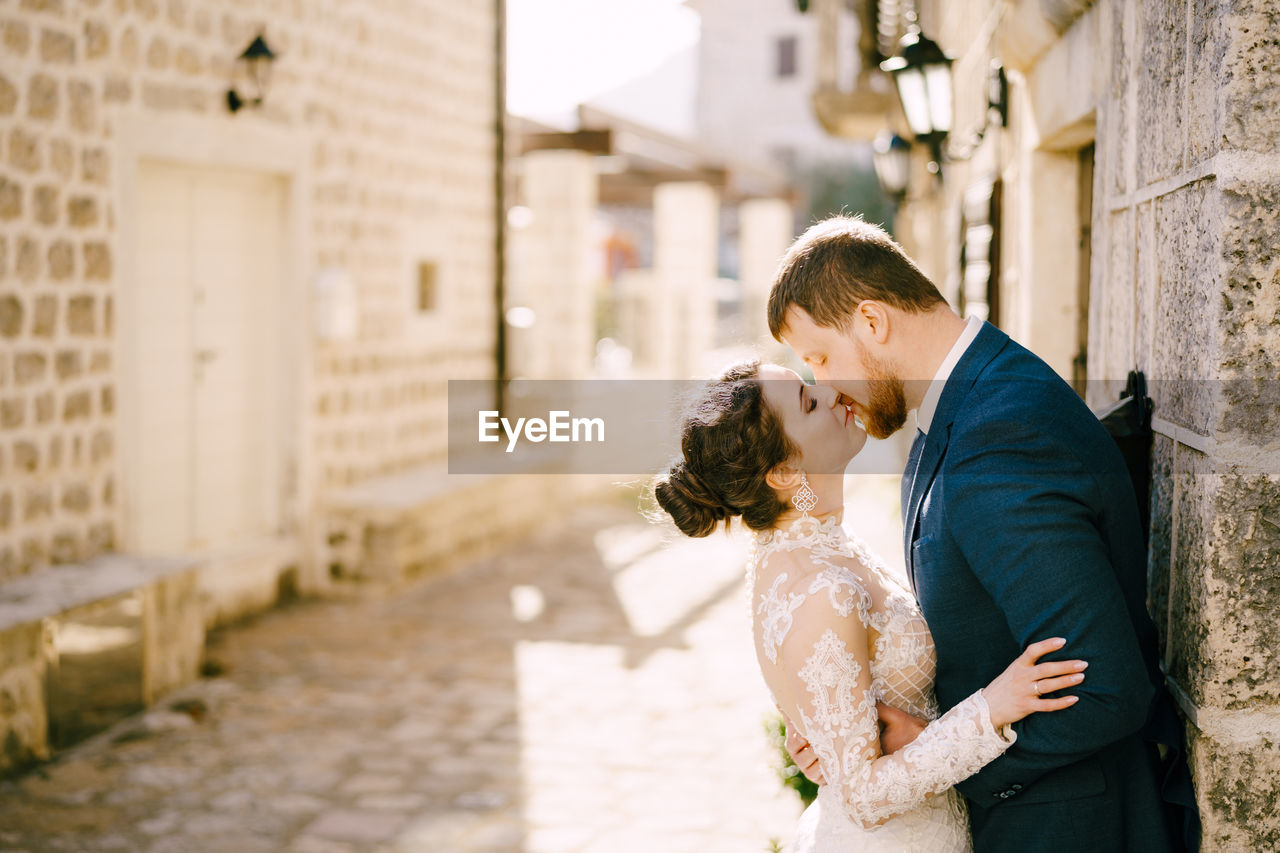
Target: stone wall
[
  {"x": 391, "y": 105},
  {"x": 56, "y": 267},
  {"x": 1187, "y": 192}
]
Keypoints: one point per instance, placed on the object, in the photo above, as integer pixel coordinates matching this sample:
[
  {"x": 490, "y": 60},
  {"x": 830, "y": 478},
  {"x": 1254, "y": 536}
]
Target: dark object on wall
[{"x": 1128, "y": 420}]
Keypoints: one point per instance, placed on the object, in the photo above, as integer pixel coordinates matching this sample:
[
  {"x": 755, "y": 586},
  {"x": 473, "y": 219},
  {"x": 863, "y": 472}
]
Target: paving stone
[
  {"x": 162, "y": 776},
  {"x": 162, "y": 824},
  {"x": 370, "y": 784},
  {"x": 203, "y": 825},
  {"x": 233, "y": 801},
  {"x": 311, "y": 844},
  {"x": 314, "y": 781},
  {"x": 391, "y": 802},
  {"x": 386, "y": 763},
  {"x": 356, "y": 825}
]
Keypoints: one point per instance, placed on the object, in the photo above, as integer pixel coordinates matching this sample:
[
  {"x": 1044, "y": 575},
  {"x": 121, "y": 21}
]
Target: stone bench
[
  {"x": 425, "y": 520},
  {"x": 82, "y": 645}
]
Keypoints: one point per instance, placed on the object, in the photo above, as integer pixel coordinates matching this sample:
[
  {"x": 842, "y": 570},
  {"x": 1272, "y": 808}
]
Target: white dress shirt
[{"x": 924, "y": 415}]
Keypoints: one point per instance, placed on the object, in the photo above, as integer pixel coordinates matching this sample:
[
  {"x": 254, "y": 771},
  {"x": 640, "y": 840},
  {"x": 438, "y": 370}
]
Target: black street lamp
[
  {"x": 891, "y": 156},
  {"x": 257, "y": 59},
  {"x": 922, "y": 73}
]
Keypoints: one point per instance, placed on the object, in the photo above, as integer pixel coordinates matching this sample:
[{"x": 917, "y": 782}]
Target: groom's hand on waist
[{"x": 897, "y": 728}]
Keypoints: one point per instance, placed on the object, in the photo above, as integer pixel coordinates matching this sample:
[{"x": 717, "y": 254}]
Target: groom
[{"x": 1020, "y": 524}]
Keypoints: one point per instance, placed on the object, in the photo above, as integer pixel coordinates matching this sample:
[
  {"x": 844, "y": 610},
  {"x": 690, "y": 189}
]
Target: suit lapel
[{"x": 985, "y": 347}]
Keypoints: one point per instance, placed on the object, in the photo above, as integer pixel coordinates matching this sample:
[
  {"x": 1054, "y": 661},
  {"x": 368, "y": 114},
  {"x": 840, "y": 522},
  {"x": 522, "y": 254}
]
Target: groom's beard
[{"x": 886, "y": 409}]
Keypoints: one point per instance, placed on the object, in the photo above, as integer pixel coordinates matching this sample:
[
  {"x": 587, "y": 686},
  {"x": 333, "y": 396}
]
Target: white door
[{"x": 209, "y": 366}]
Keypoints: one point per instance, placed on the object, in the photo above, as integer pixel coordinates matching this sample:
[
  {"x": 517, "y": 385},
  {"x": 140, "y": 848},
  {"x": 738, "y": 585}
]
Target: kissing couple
[{"x": 958, "y": 715}]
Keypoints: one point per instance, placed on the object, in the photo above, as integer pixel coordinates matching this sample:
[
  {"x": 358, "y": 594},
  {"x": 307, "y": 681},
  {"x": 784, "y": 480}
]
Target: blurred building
[
  {"x": 758, "y": 68},
  {"x": 765, "y": 76},
  {"x": 225, "y": 334},
  {"x": 615, "y": 247},
  {"x": 1107, "y": 195}
]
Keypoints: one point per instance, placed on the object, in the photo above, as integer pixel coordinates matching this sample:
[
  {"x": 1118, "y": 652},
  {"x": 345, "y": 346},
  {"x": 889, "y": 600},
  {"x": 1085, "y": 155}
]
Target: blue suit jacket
[{"x": 1020, "y": 524}]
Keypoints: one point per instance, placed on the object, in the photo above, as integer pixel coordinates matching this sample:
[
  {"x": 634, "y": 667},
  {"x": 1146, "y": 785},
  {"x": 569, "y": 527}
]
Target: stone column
[
  {"x": 764, "y": 233},
  {"x": 552, "y": 269},
  {"x": 685, "y": 236}
]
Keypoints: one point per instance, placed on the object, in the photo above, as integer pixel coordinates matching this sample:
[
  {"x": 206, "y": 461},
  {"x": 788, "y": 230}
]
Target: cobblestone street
[{"x": 592, "y": 689}]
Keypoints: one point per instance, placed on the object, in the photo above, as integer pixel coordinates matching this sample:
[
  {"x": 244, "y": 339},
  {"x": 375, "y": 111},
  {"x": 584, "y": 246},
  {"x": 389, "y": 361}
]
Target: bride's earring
[{"x": 805, "y": 499}]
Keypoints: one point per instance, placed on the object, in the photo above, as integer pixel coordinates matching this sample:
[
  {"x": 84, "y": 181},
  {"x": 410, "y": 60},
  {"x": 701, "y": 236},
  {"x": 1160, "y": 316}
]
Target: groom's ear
[
  {"x": 873, "y": 317},
  {"x": 783, "y": 477}
]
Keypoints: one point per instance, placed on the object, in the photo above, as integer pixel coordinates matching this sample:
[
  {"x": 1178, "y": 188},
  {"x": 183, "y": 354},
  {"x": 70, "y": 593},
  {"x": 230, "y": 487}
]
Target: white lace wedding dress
[{"x": 834, "y": 633}]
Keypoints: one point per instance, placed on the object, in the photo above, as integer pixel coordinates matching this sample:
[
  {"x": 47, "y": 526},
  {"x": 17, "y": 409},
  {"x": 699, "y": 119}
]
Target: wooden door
[{"x": 207, "y": 466}]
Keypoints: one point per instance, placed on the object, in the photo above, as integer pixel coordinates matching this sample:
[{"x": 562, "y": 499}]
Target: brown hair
[
  {"x": 840, "y": 262},
  {"x": 729, "y": 441}
]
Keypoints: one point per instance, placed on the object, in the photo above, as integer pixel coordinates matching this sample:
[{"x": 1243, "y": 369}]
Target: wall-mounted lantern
[
  {"x": 256, "y": 60},
  {"x": 891, "y": 156},
  {"x": 922, "y": 73}
]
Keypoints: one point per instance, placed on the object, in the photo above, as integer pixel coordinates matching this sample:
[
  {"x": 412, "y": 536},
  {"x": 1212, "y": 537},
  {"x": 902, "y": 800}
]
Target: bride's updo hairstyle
[{"x": 729, "y": 441}]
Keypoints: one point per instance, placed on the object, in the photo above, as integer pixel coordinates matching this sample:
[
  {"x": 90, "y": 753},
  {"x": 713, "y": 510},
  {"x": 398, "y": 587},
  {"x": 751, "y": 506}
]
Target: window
[
  {"x": 426, "y": 287},
  {"x": 786, "y": 56}
]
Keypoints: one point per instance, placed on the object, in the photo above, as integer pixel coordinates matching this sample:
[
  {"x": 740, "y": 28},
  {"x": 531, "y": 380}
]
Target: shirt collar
[{"x": 924, "y": 415}]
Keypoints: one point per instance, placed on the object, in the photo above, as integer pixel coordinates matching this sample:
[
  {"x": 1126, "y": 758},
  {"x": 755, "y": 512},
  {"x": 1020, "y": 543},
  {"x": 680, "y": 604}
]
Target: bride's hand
[
  {"x": 802, "y": 755},
  {"x": 1024, "y": 687}
]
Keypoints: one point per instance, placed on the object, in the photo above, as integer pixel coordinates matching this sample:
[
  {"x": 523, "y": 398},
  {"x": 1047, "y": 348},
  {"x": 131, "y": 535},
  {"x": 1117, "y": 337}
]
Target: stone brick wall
[
  {"x": 56, "y": 267},
  {"x": 1189, "y": 290},
  {"x": 391, "y": 104}
]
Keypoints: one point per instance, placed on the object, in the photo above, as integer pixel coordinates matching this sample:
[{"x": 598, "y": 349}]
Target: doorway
[
  {"x": 1084, "y": 246},
  {"x": 207, "y": 368}
]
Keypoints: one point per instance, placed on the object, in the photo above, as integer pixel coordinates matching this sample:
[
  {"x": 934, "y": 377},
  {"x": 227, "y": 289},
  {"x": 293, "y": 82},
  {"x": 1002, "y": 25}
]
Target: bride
[{"x": 834, "y": 632}]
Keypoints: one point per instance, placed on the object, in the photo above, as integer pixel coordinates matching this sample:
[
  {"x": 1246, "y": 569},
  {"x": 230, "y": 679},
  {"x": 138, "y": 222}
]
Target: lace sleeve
[{"x": 815, "y": 658}]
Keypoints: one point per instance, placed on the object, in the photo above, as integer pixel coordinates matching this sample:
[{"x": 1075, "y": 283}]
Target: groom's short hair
[{"x": 840, "y": 262}]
